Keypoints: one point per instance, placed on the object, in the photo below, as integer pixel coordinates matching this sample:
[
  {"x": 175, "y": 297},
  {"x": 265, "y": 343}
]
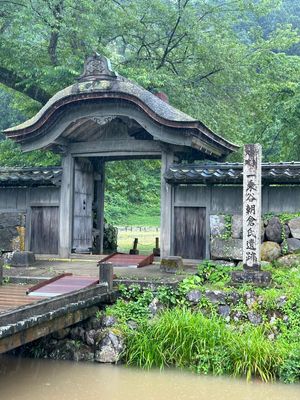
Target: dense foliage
[
  {"x": 133, "y": 192},
  {"x": 194, "y": 335},
  {"x": 235, "y": 65}
]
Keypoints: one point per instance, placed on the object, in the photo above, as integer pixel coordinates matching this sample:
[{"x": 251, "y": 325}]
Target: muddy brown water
[{"x": 62, "y": 380}]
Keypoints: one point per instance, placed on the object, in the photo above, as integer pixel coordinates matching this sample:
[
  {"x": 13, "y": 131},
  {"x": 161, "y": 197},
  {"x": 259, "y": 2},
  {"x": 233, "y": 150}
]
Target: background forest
[{"x": 234, "y": 64}]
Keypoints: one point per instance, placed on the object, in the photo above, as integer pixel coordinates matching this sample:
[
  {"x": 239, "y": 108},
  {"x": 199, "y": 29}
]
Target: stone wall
[
  {"x": 12, "y": 231},
  {"x": 95, "y": 339},
  {"x": 280, "y": 236}
]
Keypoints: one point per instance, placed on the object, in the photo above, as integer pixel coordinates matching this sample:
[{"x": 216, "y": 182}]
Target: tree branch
[
  {"x": 13, "y": 81},
  {"x": 169, "y": 47}
]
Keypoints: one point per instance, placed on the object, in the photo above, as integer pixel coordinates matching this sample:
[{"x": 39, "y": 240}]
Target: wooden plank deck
[
  {"x": 13, "y": 296},
  {"x": 63, "y": 285},
  {"x": 24, "y": 319}
]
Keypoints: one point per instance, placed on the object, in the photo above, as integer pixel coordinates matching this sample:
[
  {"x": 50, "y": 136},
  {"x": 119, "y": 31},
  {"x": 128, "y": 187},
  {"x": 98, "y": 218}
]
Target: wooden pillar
[
  {"x": 167, "y": 159},
  {"x": 106, "y": 274},
  {"x": 100, "y": 192},
  {"x": 66, "y": 206}
]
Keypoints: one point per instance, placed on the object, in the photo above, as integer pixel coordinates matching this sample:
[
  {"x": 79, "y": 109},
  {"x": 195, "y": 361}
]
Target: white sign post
[{"x": 252, "y": 206}]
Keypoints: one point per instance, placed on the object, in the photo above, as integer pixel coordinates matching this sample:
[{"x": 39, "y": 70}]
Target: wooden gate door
[
  {"x": 83, "y": 199},
  {"x": 190, "y": 232},
  {"x": 44, "y": 230}
]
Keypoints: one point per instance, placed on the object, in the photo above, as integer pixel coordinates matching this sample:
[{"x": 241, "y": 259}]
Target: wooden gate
[
  {"x": 190, "y": 232},
  {"x": 44, "y": 230},
  {"x": 83, "y": 199}
]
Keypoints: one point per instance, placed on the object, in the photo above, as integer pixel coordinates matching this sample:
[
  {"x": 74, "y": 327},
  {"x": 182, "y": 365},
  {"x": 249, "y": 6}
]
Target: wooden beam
[
  {"x": 159, "y": 132},
  {"x": 45, "y": 328},
  {"x": 111, "y": 147},
  {"x": 66, "y": 206},
  {"x": 12, "y": 321},
  {"x": 166, "y": 205},
  {"x": 100, "y": 192}
]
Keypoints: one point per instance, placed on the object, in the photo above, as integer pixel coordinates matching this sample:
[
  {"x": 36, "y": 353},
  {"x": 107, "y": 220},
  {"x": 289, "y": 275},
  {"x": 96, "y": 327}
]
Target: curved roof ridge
[{"x": 100, "y": 83}]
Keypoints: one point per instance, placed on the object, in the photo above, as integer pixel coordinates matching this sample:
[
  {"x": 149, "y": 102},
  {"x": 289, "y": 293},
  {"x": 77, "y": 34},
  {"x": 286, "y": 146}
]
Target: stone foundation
[
  {"x": 278, "y": 239},
  {"x": 95, "y": 339}
]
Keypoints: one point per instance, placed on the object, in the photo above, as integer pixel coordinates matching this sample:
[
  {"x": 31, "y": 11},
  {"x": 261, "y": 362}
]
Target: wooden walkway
[
  {"x": 13, "y": 296},
  {"x": 24, "y": 319}
]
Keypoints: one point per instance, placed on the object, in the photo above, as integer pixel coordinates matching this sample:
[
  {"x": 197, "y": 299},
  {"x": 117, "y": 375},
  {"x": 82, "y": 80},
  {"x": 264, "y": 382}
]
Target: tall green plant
[{"x": 186, "y": 339}]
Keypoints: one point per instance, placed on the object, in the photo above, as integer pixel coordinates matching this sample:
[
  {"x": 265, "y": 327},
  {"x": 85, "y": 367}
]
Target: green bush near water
[
  {"x": 195, "y": 337},
  {"x": 186, "y": 339}
]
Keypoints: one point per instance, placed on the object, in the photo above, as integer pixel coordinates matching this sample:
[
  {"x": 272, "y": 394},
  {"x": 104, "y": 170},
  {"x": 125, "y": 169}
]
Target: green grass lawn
[
  {"x": 146, "y": 239},
  {"x": 138, "y": 219}
]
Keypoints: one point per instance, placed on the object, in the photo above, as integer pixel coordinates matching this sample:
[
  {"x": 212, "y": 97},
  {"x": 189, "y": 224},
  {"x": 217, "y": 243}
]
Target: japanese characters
[{"x": 252, "y": 206}]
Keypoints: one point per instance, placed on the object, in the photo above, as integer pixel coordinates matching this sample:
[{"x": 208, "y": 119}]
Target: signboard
[{"x": 252, "y": 206}]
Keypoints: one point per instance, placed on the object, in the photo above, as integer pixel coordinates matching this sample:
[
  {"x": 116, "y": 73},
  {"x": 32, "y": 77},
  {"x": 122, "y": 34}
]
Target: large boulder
[
  {"x": 294, "y": 225},
  {"x": 226, "y": 249},
  {"x": 292, "y": 245},
  {"x": 109, "y": 348},
  {"x": 290, "y": 260},
  {"x": 270, "y": 251},
  {"x": 237, "y": 227},
  {"x": 217, "y": 225},
  {"x": 273, "y": 231}
]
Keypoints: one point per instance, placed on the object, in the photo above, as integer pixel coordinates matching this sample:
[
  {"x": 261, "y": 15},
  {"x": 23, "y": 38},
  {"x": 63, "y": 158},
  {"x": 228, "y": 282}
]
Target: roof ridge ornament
[{"x": 97, "y": 67}]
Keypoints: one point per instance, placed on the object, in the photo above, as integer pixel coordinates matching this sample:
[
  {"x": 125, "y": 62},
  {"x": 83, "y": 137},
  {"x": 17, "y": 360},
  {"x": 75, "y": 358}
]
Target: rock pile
[
  {"x": 278, "y": 239},
  {"x": 96, "y": 339},
  {"x": 237, "y": 307}
]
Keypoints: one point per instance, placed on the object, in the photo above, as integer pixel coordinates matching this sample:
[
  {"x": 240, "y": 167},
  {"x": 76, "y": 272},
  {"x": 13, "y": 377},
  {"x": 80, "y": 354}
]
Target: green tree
[{"x": 234, "y": 64}]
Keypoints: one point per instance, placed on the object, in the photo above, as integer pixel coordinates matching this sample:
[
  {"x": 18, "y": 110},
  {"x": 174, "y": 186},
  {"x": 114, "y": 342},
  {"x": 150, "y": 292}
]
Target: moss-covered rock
[
  {"x": 171, "y": 264},
  {"x": 270, "y": 251}
]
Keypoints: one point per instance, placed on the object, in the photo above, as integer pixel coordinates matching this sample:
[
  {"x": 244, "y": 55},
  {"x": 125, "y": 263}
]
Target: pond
[{"x": 63, "y": 380}]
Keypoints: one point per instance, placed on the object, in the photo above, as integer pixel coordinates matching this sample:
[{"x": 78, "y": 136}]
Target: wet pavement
[{"x": 87, "y": 266}]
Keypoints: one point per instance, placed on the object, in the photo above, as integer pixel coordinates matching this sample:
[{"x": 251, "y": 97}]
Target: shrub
[
  {"x": 180, "y": 338},
  {"x": 290, "y": 369},
  {"x": 212, "y": 273},
  {"x": 185, "y": 339},
  {"x": 252, "y": 354},
  {"x": 137, "y": 310}
]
